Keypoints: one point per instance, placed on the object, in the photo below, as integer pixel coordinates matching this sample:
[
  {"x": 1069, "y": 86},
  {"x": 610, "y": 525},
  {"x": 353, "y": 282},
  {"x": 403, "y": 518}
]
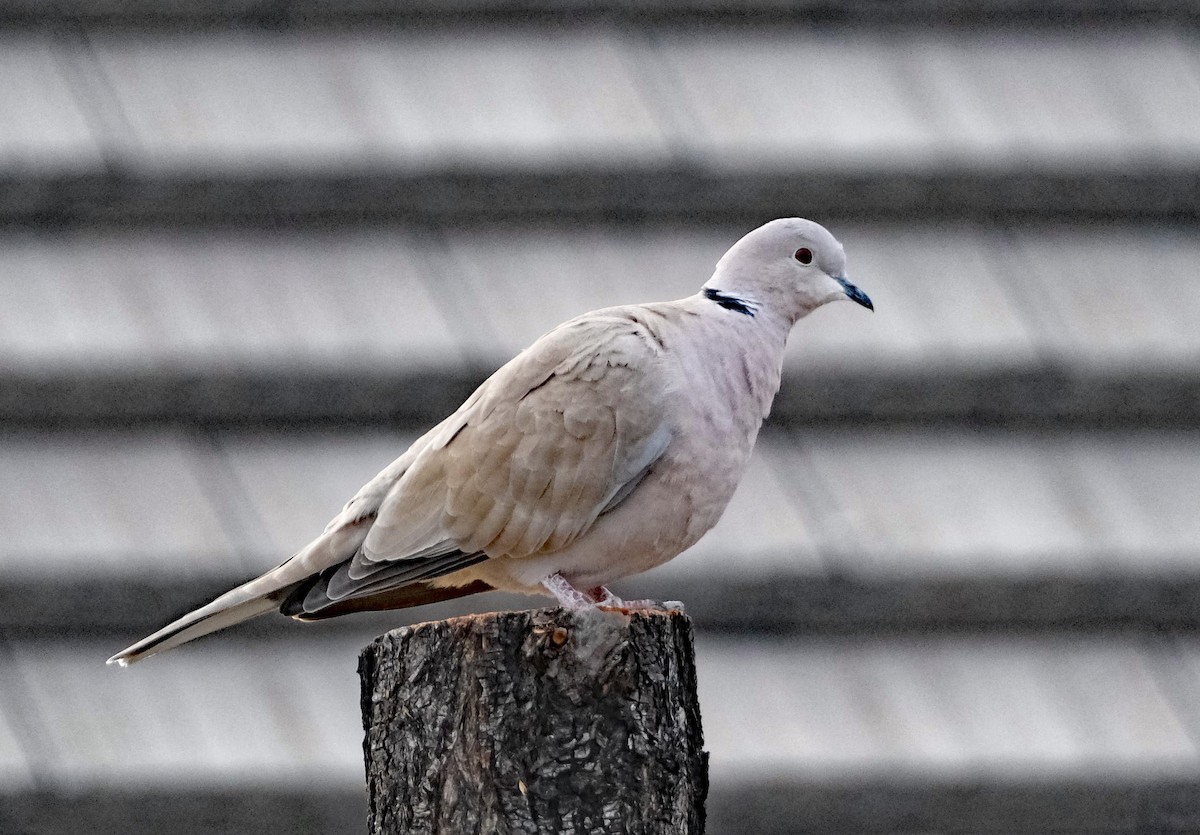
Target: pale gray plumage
[{"x": 606, "y": 448}]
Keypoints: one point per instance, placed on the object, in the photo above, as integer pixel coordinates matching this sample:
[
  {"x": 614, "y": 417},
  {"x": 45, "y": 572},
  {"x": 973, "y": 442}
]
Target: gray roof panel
[
  {"x": 266, "y": 713},
  {"x": 948, "y": 502},
  {"x": 1113, "y": 297},
  {"x": 283, "y": 712},
  {"x": 109, "y": 503},
  {"x": 963, "y": 707},
  {"x": 955, "y": 297},
  {"x": 190, "y": 300},
  {"x": 294, "y": 486},
  {"x": 232, "y": 101},
  {"x": 1021, "y": 98},
  {"x": 886, "y": 503},
  {"x": 331, "y": 101},
  {"x": 795, "y": 100},
  {"x": 42, "y": 125},
  {"x": 916, "y": 100},
  {"x": 765, "y": 100},
  {"x": 1140, "y": 490},
  {"x": 16, "y": 772}
]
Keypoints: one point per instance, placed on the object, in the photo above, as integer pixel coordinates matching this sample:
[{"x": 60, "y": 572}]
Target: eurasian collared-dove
[{"x": 607, "y": 447}]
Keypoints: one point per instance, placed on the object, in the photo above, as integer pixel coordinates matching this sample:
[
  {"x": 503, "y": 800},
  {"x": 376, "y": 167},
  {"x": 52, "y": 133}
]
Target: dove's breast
[{"x": 720, "y": 379}]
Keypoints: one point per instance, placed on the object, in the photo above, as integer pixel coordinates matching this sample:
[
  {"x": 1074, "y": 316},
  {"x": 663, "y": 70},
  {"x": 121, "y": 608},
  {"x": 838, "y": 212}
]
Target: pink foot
[
  {"x": 574, "y": 600},
  {"x": 644, "y": 606},
  {"x": 569, "y": 597}
]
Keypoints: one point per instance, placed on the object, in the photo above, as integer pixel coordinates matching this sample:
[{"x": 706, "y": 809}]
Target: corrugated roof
[
  {"x": 275, "y": 712},
  {"x": 111, "y": 504},
  {"x": 16, "y": 772},
  {"x": 1020, "y": 97},
  {"x": 518, "y": 284},
  {"x": 1114, "y": 297},
  {"x": 917, "y": 100},
  {"x": 294, "y": 485},
  {"x": 958, "y": 501},
  {"x": 320, "y": 101},
  {"x": 266, "y": 713},
  {"x": 901, "y": 503},
  {"x": 967, "y": 707},
  {"x": 333, "y": 101},
  {"x": 188, "y": 300},
  {"x": 953, "y": 297},
  {"x": 45, "y": 126},
  {"x": 786, "y": 101}
]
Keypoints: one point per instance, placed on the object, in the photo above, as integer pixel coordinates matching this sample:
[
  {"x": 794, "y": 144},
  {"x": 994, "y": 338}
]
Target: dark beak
[{"x": 854, "y": 293}]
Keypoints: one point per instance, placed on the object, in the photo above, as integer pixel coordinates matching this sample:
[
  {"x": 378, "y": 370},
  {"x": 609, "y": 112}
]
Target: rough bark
[{"x": 534, "y": 722}]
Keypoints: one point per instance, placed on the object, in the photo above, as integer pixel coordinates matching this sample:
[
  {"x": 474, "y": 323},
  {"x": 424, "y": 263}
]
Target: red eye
[{"x": 804, "y": 255}]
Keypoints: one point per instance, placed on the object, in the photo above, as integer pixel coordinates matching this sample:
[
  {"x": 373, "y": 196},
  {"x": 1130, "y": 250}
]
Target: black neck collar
[{"x": 729, "y": 302}]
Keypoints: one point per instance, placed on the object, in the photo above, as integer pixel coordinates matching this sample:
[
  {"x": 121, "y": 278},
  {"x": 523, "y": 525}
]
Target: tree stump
[{"x": 535, "y": 722}]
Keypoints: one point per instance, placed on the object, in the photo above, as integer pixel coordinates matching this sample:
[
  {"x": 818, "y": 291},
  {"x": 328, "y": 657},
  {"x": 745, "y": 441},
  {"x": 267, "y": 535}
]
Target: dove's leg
[
  {"x": 608, "y": 600},
  {"x": 575, "y": 600},
  {"x": 569, "y": 597}
]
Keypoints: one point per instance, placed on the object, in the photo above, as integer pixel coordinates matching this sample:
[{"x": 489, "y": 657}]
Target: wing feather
[{"x": 555, "y": 438}]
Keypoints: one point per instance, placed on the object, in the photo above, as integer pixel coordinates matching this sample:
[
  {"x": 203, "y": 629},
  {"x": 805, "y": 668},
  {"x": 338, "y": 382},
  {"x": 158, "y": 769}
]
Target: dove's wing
[{"x": 557, "y": 437}]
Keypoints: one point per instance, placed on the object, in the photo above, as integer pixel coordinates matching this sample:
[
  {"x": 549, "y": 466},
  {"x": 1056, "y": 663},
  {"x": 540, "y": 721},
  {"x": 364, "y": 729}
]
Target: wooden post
[{"x": 535, "y": 722}]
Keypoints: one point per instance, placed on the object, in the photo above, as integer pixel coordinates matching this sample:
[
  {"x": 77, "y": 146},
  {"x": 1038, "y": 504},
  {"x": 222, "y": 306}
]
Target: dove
[{"x": 607, "y": 447}]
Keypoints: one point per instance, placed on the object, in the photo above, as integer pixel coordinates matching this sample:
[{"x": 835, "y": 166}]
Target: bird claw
[
  {"x": 574, "y": 600},
  {"x": 645, "y": 605},
  {"x": 611, "y": 603},
  {"x": 569, "y": 597}
]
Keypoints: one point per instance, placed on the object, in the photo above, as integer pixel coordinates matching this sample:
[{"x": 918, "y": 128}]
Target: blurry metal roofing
[
  {"x": 959, "y": 501},
  {"x": 362, "y": 299},
  {"x": 111, "y": 504},
  {"x": 1131, "y": 298},
  {"x": 915, "y": 100},
  {"x": 790, "y": 100},
  {"x": 295, "y": 484},
  {"x": 16, "y": 773},
  {"x": 327, "y": 101},
  {"x": 188, "y": 300},
  {"x": 751, "y": 99},
  {"x": 944, "y": 297},
  {"x": 465, "y": 14},
  {"x": 601, "y": 122},
  {"x": 977, "y": 706},
  {"x": 1020, "y": 98},
  {"x": 1140, "y": 490},
  {"x": 949, "y": 296},
  {"x": 264, "y": 713},
  {"x": 278, "y": 712},
  {"x": 44, "y": 126},
  {"x": 900, "y": 502}
]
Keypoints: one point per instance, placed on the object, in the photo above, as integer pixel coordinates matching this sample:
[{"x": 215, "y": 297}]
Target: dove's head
[{"x": 790, "y": 266}]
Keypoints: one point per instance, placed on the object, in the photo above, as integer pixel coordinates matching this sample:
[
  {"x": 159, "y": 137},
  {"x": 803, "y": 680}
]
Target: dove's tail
[
  {"x": 249, "y": 600},
  {"x": 257, "y": 597}
]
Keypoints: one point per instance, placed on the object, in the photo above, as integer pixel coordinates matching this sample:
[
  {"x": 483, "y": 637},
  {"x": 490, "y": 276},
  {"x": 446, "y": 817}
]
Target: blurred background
[{"x": 250, "y": 248}]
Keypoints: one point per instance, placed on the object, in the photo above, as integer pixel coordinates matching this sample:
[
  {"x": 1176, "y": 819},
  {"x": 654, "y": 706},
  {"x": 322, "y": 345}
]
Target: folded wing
[{"x": 562, "y": 434}]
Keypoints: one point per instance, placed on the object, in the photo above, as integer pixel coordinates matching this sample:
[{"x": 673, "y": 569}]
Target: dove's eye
[{"x": 804, "y": 255}]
